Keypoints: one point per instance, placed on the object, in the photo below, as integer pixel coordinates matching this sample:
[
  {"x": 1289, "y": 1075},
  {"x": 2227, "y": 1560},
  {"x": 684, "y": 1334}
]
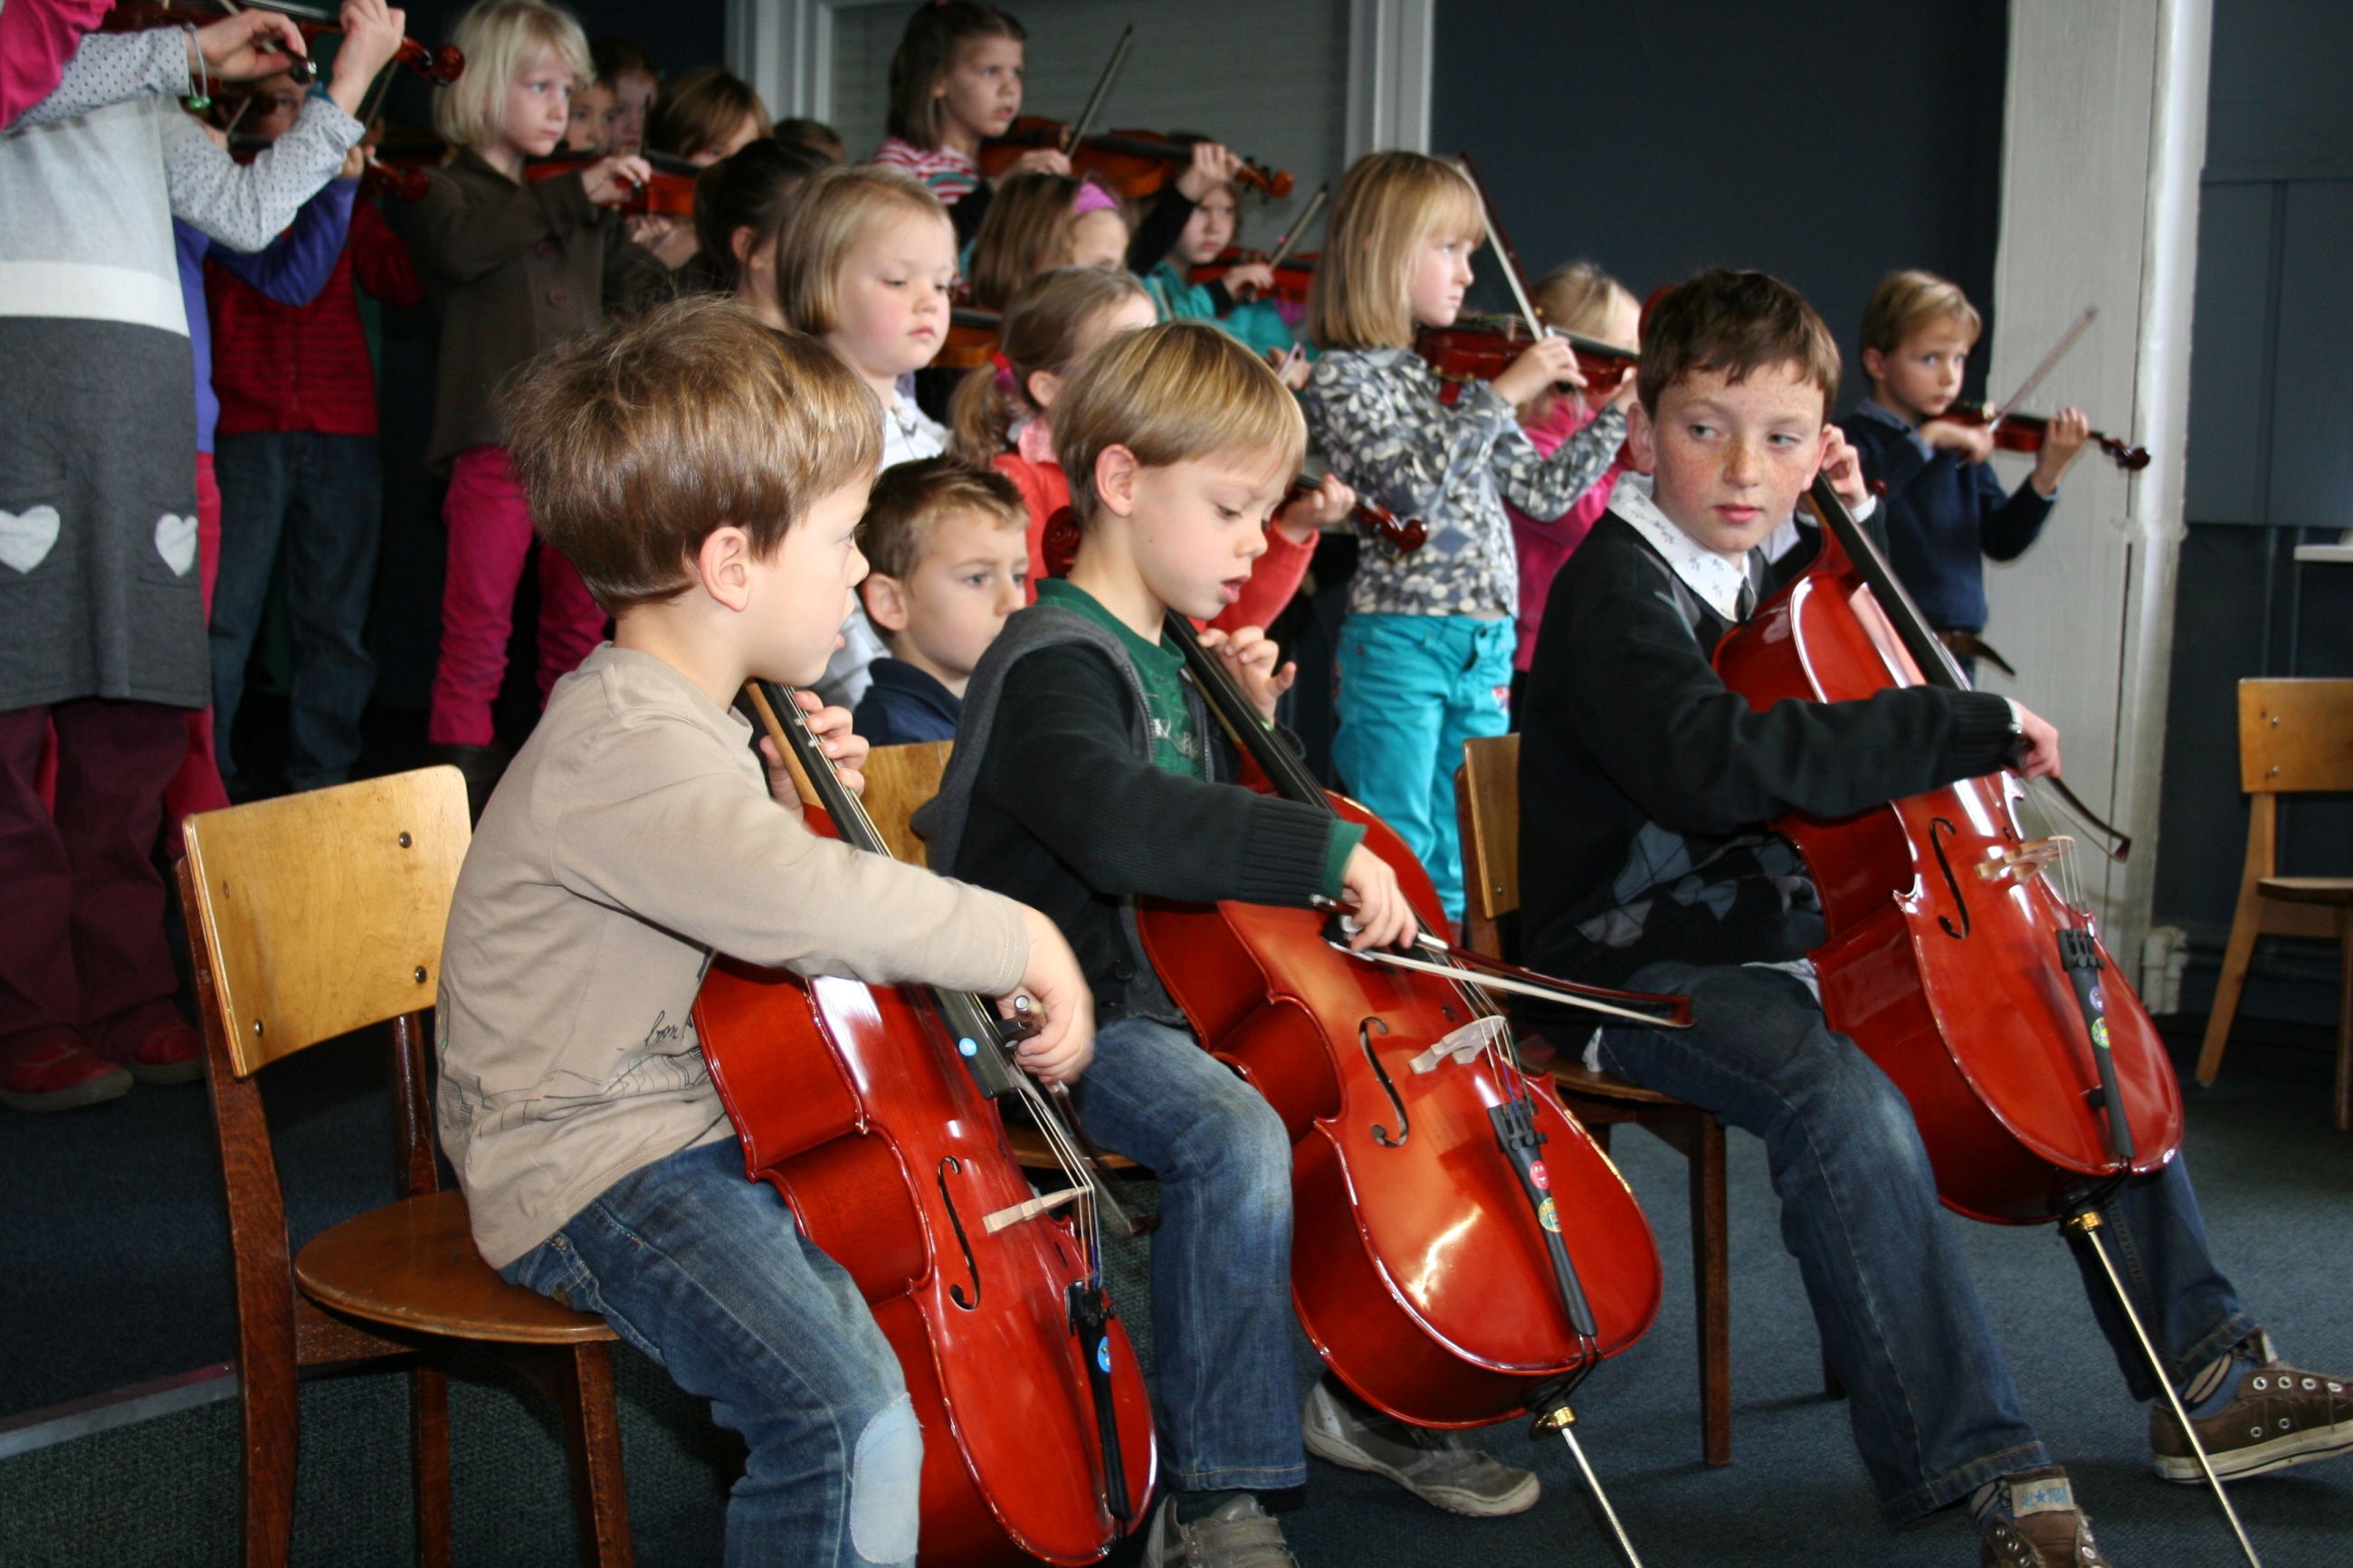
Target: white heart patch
[
  {"x": 26, "y": 537},
  {"x": 175, "y": 541}
]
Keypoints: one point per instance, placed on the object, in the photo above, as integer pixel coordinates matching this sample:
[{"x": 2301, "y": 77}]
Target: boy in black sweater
[
  {"x": 1088, "y": 774},
  {"x": 1945, "y": 511},
  {"x": 1645, "y": 862}
]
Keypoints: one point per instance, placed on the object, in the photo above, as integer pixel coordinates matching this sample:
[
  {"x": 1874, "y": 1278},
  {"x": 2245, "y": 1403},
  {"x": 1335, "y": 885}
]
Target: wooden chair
[
  {"x": 1487, "y": 806},
  {"x": 2295, "y": 736},
  {"x": 310, "y": 917}
]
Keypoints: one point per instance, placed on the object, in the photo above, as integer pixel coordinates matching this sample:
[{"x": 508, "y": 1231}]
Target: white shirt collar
[{"x": 1714, "y": 578}]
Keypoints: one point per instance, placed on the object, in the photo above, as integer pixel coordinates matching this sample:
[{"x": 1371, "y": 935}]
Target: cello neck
[
  {"x": 1934, "y": 659},
  {"x": 782, "y": 717},
  {"x": 1234, "y": 709}
]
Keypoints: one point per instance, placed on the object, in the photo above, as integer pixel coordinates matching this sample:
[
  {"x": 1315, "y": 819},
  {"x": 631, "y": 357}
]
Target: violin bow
[
  {"x": 2050, "y": 363},
  {"x": 1085, "y": 122},
  {"x": 1298, "y": 230},
  {"x": 1510, "y": 259}
]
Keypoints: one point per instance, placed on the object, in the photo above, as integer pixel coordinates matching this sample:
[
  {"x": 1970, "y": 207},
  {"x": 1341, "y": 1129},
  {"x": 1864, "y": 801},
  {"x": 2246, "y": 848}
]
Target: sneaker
[
  {"x": 1239, "y": 1535},
  {"x": 2281, "y": 1417},
  {"x": 1443, "y": 1468},
  {"x": 2036, "y": 1524},
  {"x": 63, "y": 1075},
  {"x": 170, "y": 1051}
]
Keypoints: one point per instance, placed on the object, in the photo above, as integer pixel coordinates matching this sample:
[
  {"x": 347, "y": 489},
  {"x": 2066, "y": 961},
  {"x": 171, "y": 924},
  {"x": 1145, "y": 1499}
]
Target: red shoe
[
  {"x": 63, "y": 1075},
  {"x": 169, "y": 1052}
]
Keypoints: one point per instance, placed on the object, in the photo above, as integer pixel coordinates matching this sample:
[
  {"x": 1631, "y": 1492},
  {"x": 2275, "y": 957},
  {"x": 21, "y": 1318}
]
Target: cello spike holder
[
  {"x": 1562, "y": 1419},
  {"x": 2087, "y": 1224}
]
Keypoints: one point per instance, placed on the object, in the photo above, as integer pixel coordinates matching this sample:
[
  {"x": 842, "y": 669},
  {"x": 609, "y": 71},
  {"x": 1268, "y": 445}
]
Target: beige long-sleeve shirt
[{"x": 632, "y": 838}]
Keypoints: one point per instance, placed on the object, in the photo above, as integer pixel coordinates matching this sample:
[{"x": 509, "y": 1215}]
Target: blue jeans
[
  {"x": 707, "y": 1274},
  {"x": 1227, "y": 1402},
  {"x": 1412, "y": 690},
  {"x": 1935, "y": 1414},
  {"x": 322, "y": 496}
]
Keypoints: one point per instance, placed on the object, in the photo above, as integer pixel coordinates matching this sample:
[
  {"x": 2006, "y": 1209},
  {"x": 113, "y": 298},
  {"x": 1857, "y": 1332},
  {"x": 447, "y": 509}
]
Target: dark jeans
[
  {"x": 322, "y": 496},
  {"x": 1935, "y": 1414}
]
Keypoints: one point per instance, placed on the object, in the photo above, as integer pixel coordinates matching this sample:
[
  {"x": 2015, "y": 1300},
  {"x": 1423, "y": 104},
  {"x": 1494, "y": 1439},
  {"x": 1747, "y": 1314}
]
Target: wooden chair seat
[
  {"x": 1032, "y": 1152},
  {"x": 1592, "y": 1083},
  {"x": 412, "y": 1265},
  {"x": 2307, "y": 889}
]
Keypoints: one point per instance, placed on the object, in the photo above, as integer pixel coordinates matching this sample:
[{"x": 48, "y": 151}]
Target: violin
[
  {"x": 972, "y": 337},
  {"x": 871, "y": 1109},
  {"x": 1374, "y": 519},
  {"x": 1479, "y": 347},
  {"x": 402, "y": 173},
  {"x": 439, "y": 66},
  {"x": 1293, "y": 274},
  {"x": 1130, "y": 163},
  {"x": 2016, "y": 432},
  {"x": 2034, "y": 1073}
]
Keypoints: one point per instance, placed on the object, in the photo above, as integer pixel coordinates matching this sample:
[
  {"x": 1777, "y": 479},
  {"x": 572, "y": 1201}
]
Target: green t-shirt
[{"x": 1175, "y": 746}]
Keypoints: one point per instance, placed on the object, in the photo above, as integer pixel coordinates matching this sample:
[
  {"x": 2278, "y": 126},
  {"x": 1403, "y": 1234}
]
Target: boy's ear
[
  {"x": 723, "y": 565},
  {"x": 1642, "y": 439},
  {"x": 886, "y": 602},
  {"x": 1874, "y": 364},
  {"x": 1116, "y": 471}
]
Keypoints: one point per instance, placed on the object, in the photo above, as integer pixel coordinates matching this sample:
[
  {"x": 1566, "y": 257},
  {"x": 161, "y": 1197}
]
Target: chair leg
[
  {"x": 1711, "y": 1281},
  {"x": 2237, "y": 958},
  {"x": 271, "y": 1419},
  {"x": 2345, "y": 1020},
  {"x": 592, "y": 1440},
  {"x": 429, "y": 1423}
]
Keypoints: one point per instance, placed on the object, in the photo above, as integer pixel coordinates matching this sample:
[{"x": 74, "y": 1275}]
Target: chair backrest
[
  {"x": 898, "y": 780},
  {"x": 1487, "y": 806},
  {"x": 2295, "y": 735},
  {"x": 321, "y": 912}
]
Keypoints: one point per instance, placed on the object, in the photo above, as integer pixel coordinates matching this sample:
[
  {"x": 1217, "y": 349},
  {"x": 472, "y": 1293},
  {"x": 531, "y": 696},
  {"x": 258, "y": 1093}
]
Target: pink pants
[{"x": 489, "y": 537}]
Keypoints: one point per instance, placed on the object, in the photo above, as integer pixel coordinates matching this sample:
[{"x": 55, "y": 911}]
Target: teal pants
[{"x": 1412, "y": 690}]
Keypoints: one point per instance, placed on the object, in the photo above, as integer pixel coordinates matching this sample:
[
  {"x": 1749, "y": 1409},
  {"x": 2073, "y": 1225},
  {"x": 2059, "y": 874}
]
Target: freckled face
[{"x": 1729, "y": 459}]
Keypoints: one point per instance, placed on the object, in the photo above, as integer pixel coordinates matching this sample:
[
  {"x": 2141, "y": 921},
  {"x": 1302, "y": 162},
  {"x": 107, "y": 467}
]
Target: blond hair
[
  {"x": 499, "y": 38},
  {"x": 911, "y": 499},
  {"x": 1171, "y": 394},
  {"x": 634, "y": 443},
  {"x": 1389, "y": 206},
  {"x": 833, "y": 211},
  {"x": 1041, "y": 331},
  {"x": 1906, "y": 301},
  {"x": 1576, "y": 298}
]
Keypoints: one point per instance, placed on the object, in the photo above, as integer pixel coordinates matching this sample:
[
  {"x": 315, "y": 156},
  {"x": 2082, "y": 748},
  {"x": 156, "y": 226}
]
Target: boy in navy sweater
[
  {"x": 1656, "y": 872},
  {"x": 1944, "y": 508}
]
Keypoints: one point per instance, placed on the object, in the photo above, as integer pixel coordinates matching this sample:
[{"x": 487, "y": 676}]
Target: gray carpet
[{"x": 109, "y": 1274}]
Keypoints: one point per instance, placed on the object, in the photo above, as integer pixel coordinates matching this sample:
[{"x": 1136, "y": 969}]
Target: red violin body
[
  {"x": 851, "y": 1101},
  {"x": 1943, "y": 961},
  {"x": 1419, "y": 1267}
]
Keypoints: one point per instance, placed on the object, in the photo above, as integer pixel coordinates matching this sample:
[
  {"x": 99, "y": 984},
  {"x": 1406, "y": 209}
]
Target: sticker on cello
[
  {"x": 1548, "y": 1215},
  {"x": 1538, "y": 1177}
]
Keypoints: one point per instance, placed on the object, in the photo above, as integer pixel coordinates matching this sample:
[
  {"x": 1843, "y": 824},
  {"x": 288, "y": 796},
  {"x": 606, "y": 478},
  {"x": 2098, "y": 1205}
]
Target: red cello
[
  {"x": 1462, "y": 1251},
  {"x": 2035, "y": 1077},
  {"x": 870, "y": 1110}
]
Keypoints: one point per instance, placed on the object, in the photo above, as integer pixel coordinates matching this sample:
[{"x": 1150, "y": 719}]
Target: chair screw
[
  {"x": 404, "y": 841},
  {"x": 419, "y": 973}
]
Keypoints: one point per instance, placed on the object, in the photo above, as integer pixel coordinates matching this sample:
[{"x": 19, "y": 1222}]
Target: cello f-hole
[
  {"x": 956, "y": 1221},
  {"x": 1936, "y": 831},
  {"x": 1405, "y": 1126}
]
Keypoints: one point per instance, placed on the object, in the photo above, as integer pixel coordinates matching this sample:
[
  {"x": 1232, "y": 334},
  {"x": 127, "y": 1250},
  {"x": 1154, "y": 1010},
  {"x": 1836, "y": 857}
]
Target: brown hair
[
  {"x": 833, "y": 209},
  {"x": 700, "y": 109},
  {"x": 1736, "y": 323},
  {"x": 634, "y": 443},
  {"x": 621, "y": 56},
  {"x": 1026, "y": 231},
  {"x": 911, "y": 499},
  {"x": 754, "y": 188},
  {"x": 1387, "y": 205},
  {"x": 1906, "y": 301},
  {"x": 814, "y": 135},
  {"x": 1170, "y": 393},
  {"x": 928, "y": 47},
  {"x": 1041, "y": 331}
]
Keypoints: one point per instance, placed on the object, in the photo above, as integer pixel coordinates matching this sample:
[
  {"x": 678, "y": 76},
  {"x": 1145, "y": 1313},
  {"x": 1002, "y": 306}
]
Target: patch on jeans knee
[{"x": 885, "y": 1482}]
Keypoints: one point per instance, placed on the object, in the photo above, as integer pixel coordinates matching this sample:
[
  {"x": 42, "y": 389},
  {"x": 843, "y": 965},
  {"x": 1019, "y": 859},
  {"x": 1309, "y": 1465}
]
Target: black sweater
[
  {"x": 1940, "y": 514},
  {"x": 1051, "y": 798},
  {"x": 1645, "y": 783}
]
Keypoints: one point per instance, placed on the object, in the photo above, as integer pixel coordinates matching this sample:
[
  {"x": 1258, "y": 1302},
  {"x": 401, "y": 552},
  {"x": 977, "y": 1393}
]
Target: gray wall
[{"x": 1824, "y": 142}]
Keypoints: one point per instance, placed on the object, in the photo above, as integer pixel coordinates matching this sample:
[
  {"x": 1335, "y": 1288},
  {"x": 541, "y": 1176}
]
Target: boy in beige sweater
[{"x": 706, "y": 476}]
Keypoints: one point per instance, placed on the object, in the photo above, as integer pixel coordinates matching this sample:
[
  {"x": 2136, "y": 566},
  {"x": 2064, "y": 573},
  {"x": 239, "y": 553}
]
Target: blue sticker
[
  {"x": 968, "y": 1048},
  {"x": 2099, "y": 1000},
  {"x": 1103, "y": 1354}
]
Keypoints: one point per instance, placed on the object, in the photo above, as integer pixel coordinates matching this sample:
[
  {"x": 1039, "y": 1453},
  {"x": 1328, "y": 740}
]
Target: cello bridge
[{"x": 2027, "y": 860}]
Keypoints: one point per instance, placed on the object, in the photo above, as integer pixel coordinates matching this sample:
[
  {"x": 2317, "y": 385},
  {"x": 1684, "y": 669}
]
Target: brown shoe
[
  {"x": 2040, "y": 1528},
  {"x": 2282, "y": 1416}
]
